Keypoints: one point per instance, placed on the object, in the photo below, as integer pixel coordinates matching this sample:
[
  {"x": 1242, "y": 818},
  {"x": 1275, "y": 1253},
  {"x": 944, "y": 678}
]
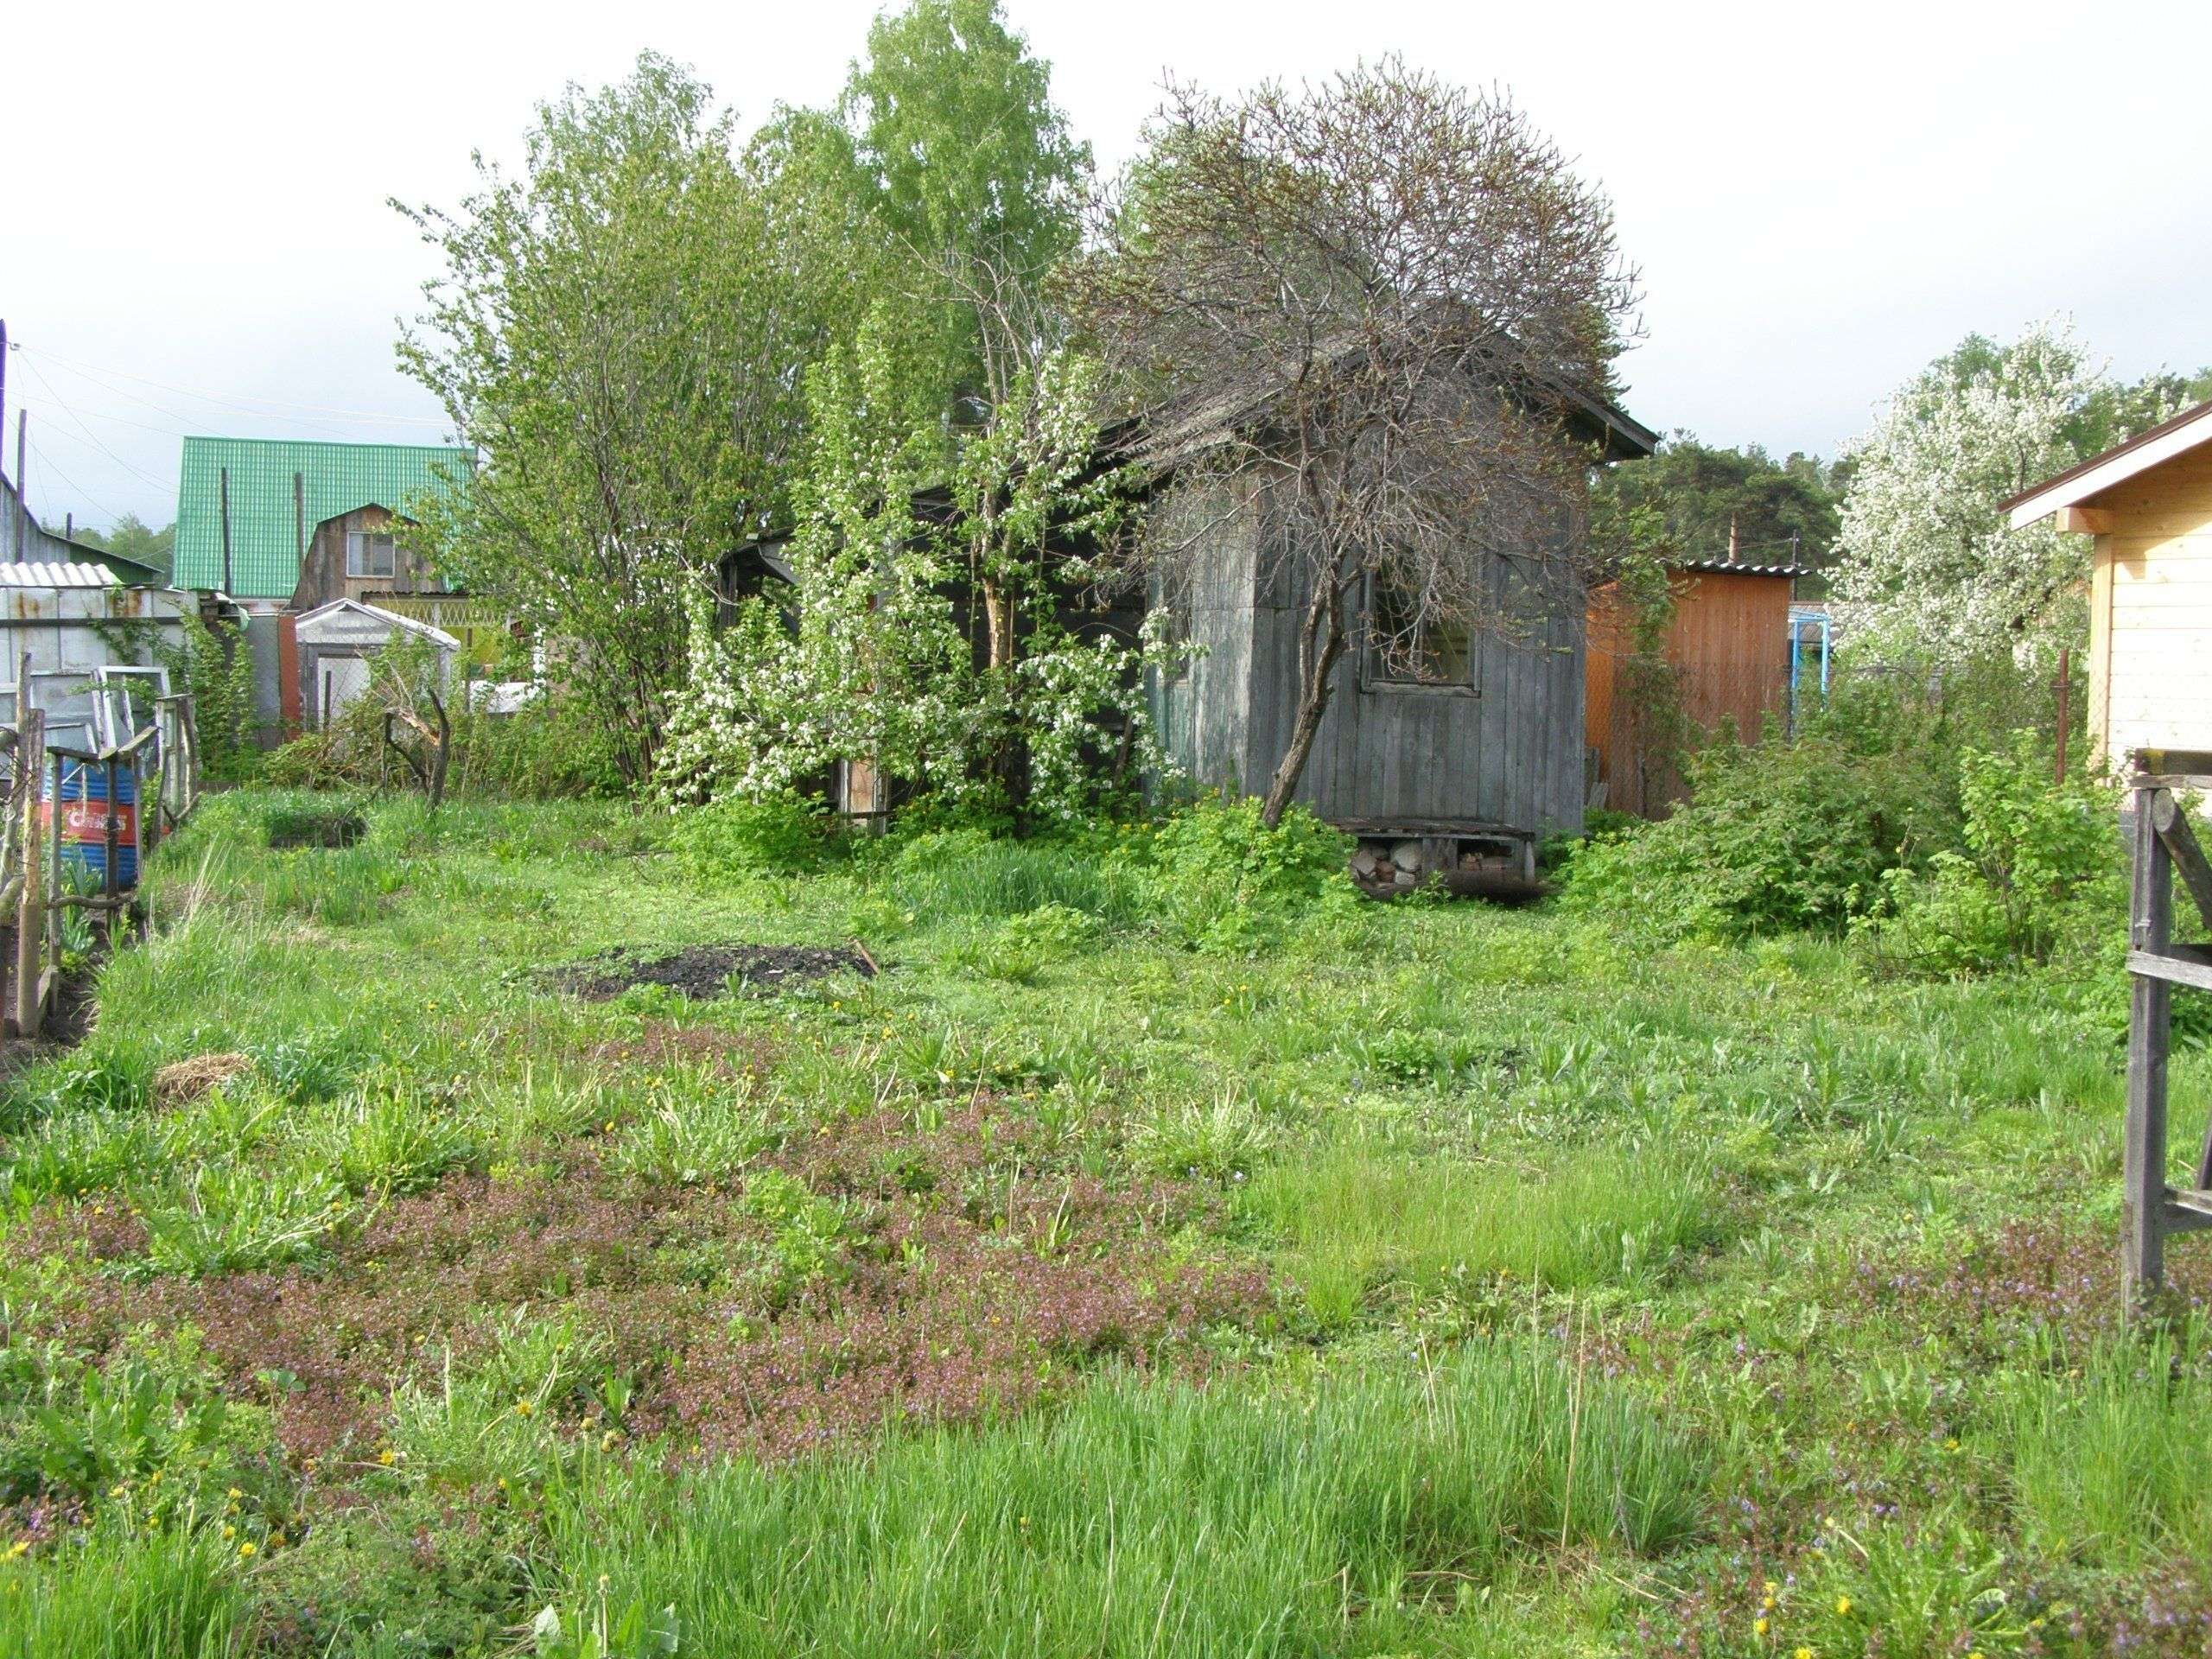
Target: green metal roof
[{"x": 264, "y": 541}]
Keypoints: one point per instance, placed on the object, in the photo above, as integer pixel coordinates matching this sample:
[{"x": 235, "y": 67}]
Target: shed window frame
[
  {"x": 1379, "y": 675},
  {"x": 359, "y": 543}
]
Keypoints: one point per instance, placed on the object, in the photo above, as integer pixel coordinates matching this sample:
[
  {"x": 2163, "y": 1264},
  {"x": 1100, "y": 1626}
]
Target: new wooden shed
[
  {"x": 1723, "y": 664},
  {"x": 2149, "y": 505}
]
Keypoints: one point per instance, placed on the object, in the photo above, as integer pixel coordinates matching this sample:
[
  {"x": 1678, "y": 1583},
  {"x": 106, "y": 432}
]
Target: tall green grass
[
  {"x": 2109, "y": 1467},
  {"x": 1147, "y": 1518},
  {"x": 171, "y": 1595},
  {"x": 1357, "y": 1219},
  {"x": 958, "y": 876}
]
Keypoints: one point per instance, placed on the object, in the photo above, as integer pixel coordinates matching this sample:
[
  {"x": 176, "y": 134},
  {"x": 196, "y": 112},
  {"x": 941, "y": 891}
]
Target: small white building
[
  {"x": 64, "y": 624},
  {"x": 337, "y": 643},
  {"x": 2149, "y": 505}
]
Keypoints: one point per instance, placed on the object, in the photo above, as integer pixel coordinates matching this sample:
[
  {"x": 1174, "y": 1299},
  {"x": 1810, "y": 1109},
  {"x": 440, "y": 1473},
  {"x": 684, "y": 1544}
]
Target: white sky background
[{"x": 1821, "y": 198}]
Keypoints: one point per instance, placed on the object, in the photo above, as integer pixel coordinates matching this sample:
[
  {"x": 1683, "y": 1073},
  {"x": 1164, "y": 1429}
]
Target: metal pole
[
  {"x": 2065, "y": 712},
  {"x": 226, "y": 486}
]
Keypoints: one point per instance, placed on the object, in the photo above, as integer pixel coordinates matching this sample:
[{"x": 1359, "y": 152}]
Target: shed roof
[
  {"x": 1735, "y": 568},
  {"x": 336, "y": 478},
  {"x": 2186, "y": 431},
  {"x": 56, "y": 575},
  {"x": 311, "y": 628}
]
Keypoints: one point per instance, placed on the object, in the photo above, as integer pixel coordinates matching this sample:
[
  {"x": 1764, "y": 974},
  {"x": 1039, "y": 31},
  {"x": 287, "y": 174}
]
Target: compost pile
[{"x": 710, "y": 970}]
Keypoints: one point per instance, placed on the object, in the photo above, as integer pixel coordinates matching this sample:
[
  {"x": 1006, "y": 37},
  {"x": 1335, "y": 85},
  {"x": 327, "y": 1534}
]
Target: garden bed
[{"x": 705, "y": 971}]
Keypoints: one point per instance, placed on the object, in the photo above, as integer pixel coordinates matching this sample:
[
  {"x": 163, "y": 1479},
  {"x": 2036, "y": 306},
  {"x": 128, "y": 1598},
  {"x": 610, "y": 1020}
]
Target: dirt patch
[
  {"x": 290, "y": 830},
  {"x": 181, "y": 1081},
  {"x": 975, "y": 1270},
  {"x": 710, "y": 970},
  {"x": 662, "y": 1044}
]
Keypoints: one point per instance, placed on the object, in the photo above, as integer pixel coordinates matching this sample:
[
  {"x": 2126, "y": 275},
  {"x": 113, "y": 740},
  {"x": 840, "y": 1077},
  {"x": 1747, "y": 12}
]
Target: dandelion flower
[
  {"x": 1802, "y": 1653},
  {"x": 1843, "y": 1604},
  {"x": 21, "y": 1548},
  {"x": 245, "y": 1549},
  {"x": 234, "y": 1494},
  {"x": 386, "y": 1456},
  {"x": 1758, "y": 1625},
  {"x": 230, "y": 1532},
  {"x": 524, "y": 1408}
]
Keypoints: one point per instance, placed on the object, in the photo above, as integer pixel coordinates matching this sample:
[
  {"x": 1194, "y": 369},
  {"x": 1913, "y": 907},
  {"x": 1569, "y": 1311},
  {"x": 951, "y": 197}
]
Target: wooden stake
[{"x": 2144, "y": 1158}]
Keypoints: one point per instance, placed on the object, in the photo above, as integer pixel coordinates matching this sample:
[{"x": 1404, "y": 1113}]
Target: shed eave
[{"x": 2190, "y": 429}]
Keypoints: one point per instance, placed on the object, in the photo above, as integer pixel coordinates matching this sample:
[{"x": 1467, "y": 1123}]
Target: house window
[
  {"x": 370, "y": 555},
  {"x": 1410, "y": 645}
]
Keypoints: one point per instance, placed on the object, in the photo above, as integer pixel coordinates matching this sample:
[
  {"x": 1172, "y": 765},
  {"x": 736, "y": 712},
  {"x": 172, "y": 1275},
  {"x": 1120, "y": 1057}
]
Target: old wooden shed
[
  {"x": 1451, "y": 759},
  {"x": 2149, "y": 505}
]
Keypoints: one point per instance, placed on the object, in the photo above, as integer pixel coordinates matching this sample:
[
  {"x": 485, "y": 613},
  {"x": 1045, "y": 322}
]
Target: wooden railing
[
  {"x": 33, "y": 892},
  {"x": 2165, "y": 846}
]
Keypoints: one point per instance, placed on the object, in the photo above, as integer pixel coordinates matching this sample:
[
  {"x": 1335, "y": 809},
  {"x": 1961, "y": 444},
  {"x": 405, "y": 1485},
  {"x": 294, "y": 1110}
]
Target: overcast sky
[{"x": 1821, "y": 198}]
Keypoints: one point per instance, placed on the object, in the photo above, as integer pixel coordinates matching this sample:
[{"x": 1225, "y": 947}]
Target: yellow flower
[
  {"x": 245, "y": 1548},
  {"x": 1767, "y": 1606},
  {"x": 1758, "y": 1625},
  {"x": 1773, "y": 1588},
  {"x": 524, "y": 1408},
  {"x": 1950, "y": 1445},
  {"x": 1802, "y": 1653},
  {"x": 230, "y": 1532},
  {"x": 234, "y": 1494},
  {"x": 386, "y": 1456},
  {"x": 21, "y": 1546},
  {"x": 1843, "y": 1604},
  {"x": 117, "y": 1491}
]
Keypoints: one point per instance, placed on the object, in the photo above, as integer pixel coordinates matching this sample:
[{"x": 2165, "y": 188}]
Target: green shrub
[
  {"x": 729, "y": 841},
  {"x": 1216, "y": 878},
  {"x": 2043, "y": 871},
  {"x": 1781, "y": 837}
]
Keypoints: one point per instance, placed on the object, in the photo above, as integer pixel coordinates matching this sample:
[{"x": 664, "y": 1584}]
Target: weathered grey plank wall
[{"x": 1506, "y": 749}]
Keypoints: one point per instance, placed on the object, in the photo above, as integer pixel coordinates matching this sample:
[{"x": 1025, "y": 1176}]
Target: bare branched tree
[{"x": 1377, "y": 303}]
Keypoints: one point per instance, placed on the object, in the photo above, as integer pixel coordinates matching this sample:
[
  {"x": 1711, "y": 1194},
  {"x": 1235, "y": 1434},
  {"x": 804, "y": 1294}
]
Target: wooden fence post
[
  {"x": 30, "y": 913},
  {"x": 2144, "y": 1168}
]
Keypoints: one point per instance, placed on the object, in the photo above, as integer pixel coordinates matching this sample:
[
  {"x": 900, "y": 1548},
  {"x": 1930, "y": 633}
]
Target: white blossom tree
[
  {"x": 869, "y": 655},
  {"x": 1928, "y": 568}
]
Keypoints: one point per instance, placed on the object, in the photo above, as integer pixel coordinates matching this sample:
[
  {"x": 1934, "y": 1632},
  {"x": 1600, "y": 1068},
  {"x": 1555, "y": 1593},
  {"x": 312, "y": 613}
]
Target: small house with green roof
[
  {"x": 287, "y": 528},
  {"x": 257, "y": 517}
]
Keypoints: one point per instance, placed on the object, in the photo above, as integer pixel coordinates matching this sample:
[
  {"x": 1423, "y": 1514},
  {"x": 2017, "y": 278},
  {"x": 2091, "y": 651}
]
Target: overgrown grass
[
  {"x": 175, "y": 1594},
  {"x": 1308, "y": 1276},
  {"x": 1145, "y": 1519},
  {"x": 1360, "y": 1219}
]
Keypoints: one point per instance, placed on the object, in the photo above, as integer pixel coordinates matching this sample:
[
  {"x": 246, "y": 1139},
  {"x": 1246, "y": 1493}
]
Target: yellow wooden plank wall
[{"x": 2152, "y": 683}]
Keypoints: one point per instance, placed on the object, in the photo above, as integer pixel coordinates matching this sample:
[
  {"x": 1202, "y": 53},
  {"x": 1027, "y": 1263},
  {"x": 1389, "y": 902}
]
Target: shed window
[
  {"x": 1407, "y": 646},
  {"x": 369, "y": 554}
]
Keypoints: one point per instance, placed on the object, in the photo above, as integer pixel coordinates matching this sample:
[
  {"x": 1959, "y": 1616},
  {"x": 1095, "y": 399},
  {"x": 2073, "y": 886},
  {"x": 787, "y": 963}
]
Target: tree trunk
[{"x": 1322, "y": 644}]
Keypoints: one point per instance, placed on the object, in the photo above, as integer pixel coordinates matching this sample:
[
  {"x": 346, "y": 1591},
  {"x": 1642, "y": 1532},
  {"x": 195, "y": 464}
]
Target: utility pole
[{"x": 23, "y": 494}]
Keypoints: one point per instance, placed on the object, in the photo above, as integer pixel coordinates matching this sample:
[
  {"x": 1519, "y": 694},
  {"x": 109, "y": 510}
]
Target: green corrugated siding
[{"x": 264, "y": 544}]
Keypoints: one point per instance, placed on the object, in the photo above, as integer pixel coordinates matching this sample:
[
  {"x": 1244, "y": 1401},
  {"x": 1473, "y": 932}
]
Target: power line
[
  {"x": 244, "y": 401},
  {"x": 90, "y": 436},
  {"x": 46, "y": 460}
]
